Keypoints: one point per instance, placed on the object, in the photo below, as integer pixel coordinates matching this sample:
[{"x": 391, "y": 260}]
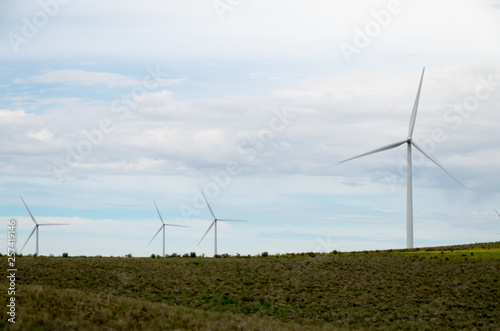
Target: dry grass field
[{"x": 456, "y": 287}]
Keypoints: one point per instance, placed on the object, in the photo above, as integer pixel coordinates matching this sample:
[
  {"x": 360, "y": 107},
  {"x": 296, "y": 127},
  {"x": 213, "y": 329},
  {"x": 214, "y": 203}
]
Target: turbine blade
[
  {"x": 211, "y": 211},
  {"x": 182, "y": 226},
  {"x": 433, "y": 159},
  {"x": 158, "y": 212},
  {"x": 381, "y": 149},
  {"x": 28, "y": 238},
  {"x": 28, "y": 210},
  {"x": 161, "y": 227},
  {"x": 53, "y": 224},
  {"x": 225, "y": 219},
  {"x": 415, "y": 107},
  {"x": 497, "y": 213},
  {"x": 211, "y": 225}
]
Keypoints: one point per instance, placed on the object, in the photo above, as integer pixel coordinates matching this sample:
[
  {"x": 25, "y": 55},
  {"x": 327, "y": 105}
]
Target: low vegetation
[
  {"x": 456, "y": 287},
  {"x": 47, "y": 308}
]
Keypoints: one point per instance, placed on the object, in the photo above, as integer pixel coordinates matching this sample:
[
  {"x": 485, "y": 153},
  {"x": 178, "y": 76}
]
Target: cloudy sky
[{"x": 105, "y": 108}]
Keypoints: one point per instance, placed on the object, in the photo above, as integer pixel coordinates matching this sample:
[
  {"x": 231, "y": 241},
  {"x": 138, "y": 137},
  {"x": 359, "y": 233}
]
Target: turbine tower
[
  {"x": 409, "y": 141},
  {"x": 214, "y": 223},
  {"x": 36, "y": 227},
  {"x": 163, "y": 225}
]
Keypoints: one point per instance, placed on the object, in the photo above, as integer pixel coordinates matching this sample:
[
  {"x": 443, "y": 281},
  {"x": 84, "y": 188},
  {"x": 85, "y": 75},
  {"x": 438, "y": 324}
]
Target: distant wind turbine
[
  {"x": 409, "y": 141},
  {"x": 36, "y": 227},
  {"x": 163, "y": 225},
  {"x": 214, "y": 223}
]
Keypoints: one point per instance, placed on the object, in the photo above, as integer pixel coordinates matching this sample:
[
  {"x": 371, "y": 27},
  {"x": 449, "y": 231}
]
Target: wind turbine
[
  {"x": 163, "y": 225},
  {"x": 214, "y": 223},
  {"x": 497, "y": 213},
  {"x": 409, "y": 141},
  {"x": 36, "y": 227}
]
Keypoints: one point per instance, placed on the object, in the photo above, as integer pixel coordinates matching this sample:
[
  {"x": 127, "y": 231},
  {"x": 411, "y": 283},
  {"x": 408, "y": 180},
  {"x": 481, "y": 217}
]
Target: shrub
[
  {"x": 185, "y": 255},
  {"x": 265, "y": 254},
  {"x": 128, "y": 255},
  {"x": 153, "y": 256},
  {"x": 193, "y": 254},
  {"x": 217, "y": 256},
  {"x": 65, "y": 255}
]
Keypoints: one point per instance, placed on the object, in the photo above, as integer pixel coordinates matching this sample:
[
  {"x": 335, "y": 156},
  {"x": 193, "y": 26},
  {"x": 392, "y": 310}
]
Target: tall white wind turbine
[
  {"x": 214, "y": 223},
  {"x": 36, "y": 227},
  {"x": 163, "y": 225},
  {"x": 409, "y": 141}
]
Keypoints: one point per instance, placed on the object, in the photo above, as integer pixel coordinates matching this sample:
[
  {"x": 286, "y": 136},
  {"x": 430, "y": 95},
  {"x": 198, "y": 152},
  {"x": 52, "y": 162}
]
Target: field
[{"x": 456, "y": 287}]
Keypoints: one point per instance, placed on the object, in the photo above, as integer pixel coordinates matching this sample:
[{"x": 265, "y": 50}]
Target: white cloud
[
  {"x": 44, "y": 135},
  {"x": 79, "y": 77},
  {"x": 336, "y": 117},
  {"x": 83, "y": 78},
  {"x": 285, "y": 29},
  {"x": 8, "y": 116}
]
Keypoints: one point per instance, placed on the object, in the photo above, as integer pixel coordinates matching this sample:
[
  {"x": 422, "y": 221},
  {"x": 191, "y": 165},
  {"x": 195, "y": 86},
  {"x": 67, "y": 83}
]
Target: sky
[{"x": 107, "y": 107}]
